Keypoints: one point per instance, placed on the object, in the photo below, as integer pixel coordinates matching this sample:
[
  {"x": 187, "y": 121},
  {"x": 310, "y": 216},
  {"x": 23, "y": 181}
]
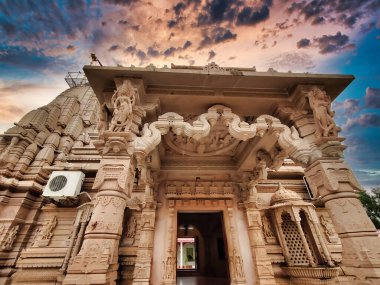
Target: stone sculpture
[
  {"x": 46, "y": 233},
  {"x": 123, "y": 101},
  {"x": 9, "y": 239},
  {"x": 131, "y": 230},
  {"x": 320, "y": 104}
]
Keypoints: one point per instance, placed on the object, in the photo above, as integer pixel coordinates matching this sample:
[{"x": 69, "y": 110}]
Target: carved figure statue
[
  {"x": 48, "y": 227},
  {"x": 8, "y": 241},
  {"x": 2, "y": 229},
  {"x": 123, "y": 101},
  {"x": 237, "y": 263},
  {"x": 328, "y": 229},
  {"x": 102, "y": 118},
  {"x": 45, "y": 234},
  {"x": 320, "y": 103},
  {"x": 168, "y": 268},
  {"x": 267, "y": 229},
  {"x": 131, "y": 229}
]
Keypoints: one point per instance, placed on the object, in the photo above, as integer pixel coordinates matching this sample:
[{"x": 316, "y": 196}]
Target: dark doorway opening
[{"x": 201, "y": 248}]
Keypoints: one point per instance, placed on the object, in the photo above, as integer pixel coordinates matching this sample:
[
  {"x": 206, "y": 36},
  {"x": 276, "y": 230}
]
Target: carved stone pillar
[
  {"x": 334, "y": 184},
  {"x": 169, "y": 264},
  {"x": 261, "y": 261},
  {"x": 143, "y": 266},
  {"x": 97, "y": 261},
  {"x": 235, "y": 259}
]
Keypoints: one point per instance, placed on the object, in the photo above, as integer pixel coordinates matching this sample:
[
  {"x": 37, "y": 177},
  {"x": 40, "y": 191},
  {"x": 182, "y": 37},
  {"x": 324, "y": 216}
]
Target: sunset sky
[{"x": 41, "y": 40}]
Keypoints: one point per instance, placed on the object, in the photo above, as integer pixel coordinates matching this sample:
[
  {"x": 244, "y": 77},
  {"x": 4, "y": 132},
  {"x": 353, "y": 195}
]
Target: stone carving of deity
[
  {"x": 8, "y": 241},
  {"x": 328, "y": 229},
  {"x": 320, "y": 104},
  {"x": 237, "y": 263},
  {"x": 46, "y": 232},
  {"x": 123, "y": 101},
  {"x": 131, "y": 229},
  {"x": 102, "y": 119},
  {"x": 169, "y": 268},
  {"x": 267, "y": 229}
]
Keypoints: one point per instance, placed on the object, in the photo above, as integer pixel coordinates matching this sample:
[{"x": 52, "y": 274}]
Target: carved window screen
[
  {"x": 297, "y": 253},
  {"x": 308, "y": 231}
]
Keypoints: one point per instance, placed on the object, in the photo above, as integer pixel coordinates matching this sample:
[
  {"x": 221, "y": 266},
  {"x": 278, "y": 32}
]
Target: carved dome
[{"x": 283, "y": 195}]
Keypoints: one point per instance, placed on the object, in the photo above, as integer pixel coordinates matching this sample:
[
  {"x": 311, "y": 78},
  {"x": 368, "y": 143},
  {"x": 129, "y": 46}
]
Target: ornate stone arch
[{"x": 288, "y": 139}]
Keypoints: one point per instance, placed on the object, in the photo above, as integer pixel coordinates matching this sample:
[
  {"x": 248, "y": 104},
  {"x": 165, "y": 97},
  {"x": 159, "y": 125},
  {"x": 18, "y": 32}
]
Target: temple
[{"x": 184, "y": 175}]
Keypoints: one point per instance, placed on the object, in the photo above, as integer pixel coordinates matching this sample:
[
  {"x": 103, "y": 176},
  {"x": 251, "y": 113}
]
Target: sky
[{"x": 41, "y": 40}]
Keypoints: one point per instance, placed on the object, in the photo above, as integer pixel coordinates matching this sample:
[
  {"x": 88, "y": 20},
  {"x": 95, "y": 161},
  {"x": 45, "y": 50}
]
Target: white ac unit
[{"x": 63, "y": 184}]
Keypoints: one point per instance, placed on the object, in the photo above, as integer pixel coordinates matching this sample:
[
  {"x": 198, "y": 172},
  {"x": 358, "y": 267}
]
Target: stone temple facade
[{"x": 228, "y": 174}]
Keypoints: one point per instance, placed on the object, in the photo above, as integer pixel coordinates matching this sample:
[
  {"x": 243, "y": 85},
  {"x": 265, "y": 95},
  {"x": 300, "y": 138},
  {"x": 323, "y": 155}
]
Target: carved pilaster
[
  {"x": 236, "y": 263},
  {"x": 143, "y": 266},
  {"x": 262, "y": 263},
  {"x": 169, "y": 263}
]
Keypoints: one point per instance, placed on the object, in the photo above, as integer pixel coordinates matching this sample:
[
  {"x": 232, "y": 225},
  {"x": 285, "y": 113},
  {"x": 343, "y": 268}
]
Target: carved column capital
[
  {"x": 116, "y": 175},
  {"x": 330, "y": 179}
]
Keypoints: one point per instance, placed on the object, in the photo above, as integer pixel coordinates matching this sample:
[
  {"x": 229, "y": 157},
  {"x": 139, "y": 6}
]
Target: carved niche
[{"x": 131, "y": 230}]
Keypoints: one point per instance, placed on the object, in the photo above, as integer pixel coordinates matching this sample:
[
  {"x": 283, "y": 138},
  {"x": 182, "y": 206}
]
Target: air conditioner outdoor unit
[{"x": 63, "y": 184}]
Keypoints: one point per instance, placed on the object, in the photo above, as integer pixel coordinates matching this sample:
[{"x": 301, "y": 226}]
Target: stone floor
[{"x": 199, "y": 280}]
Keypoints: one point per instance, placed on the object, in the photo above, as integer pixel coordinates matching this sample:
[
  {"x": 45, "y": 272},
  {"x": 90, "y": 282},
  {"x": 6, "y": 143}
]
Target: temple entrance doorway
[{"x": 202, "y": 255}]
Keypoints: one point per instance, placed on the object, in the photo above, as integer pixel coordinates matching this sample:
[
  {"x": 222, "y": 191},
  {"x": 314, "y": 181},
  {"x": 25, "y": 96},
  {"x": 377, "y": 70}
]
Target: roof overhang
[{"x": 222, "y": 87}]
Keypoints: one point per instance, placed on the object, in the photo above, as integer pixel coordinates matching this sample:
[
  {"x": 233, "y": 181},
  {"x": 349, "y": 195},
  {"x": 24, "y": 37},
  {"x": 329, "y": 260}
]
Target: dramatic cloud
[
  {"x": 364, "y": 120},
  {"x": 187, "y": 44},
  {"x": 21, "y": 57},
  {"x": 372, "y": 98},
  {"x": 331, "y": 43},
  {"x": 303, "y": 43},
  {"x": 216, "y": 36},
  {"x": 121, "y": 2},
  {"x": 328, "y": 43},
  {"x": 211, "y": 55},
  {"x": 344, "y": 12},
  {"x": 348, "y": 107},
  {"x": 114, "y": 48},
  {"x": 170, "y": 51},
  {"x": 216, "y": 11},
  {"x": 254, "y": 15},
  {"x": 153, "y": 52},
  {"x": 294, "y": 61},
  {"x": 70, "y": 48}
]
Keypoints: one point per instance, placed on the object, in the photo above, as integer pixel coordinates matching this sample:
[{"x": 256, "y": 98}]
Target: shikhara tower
[{"x": 208, "y": 173}]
